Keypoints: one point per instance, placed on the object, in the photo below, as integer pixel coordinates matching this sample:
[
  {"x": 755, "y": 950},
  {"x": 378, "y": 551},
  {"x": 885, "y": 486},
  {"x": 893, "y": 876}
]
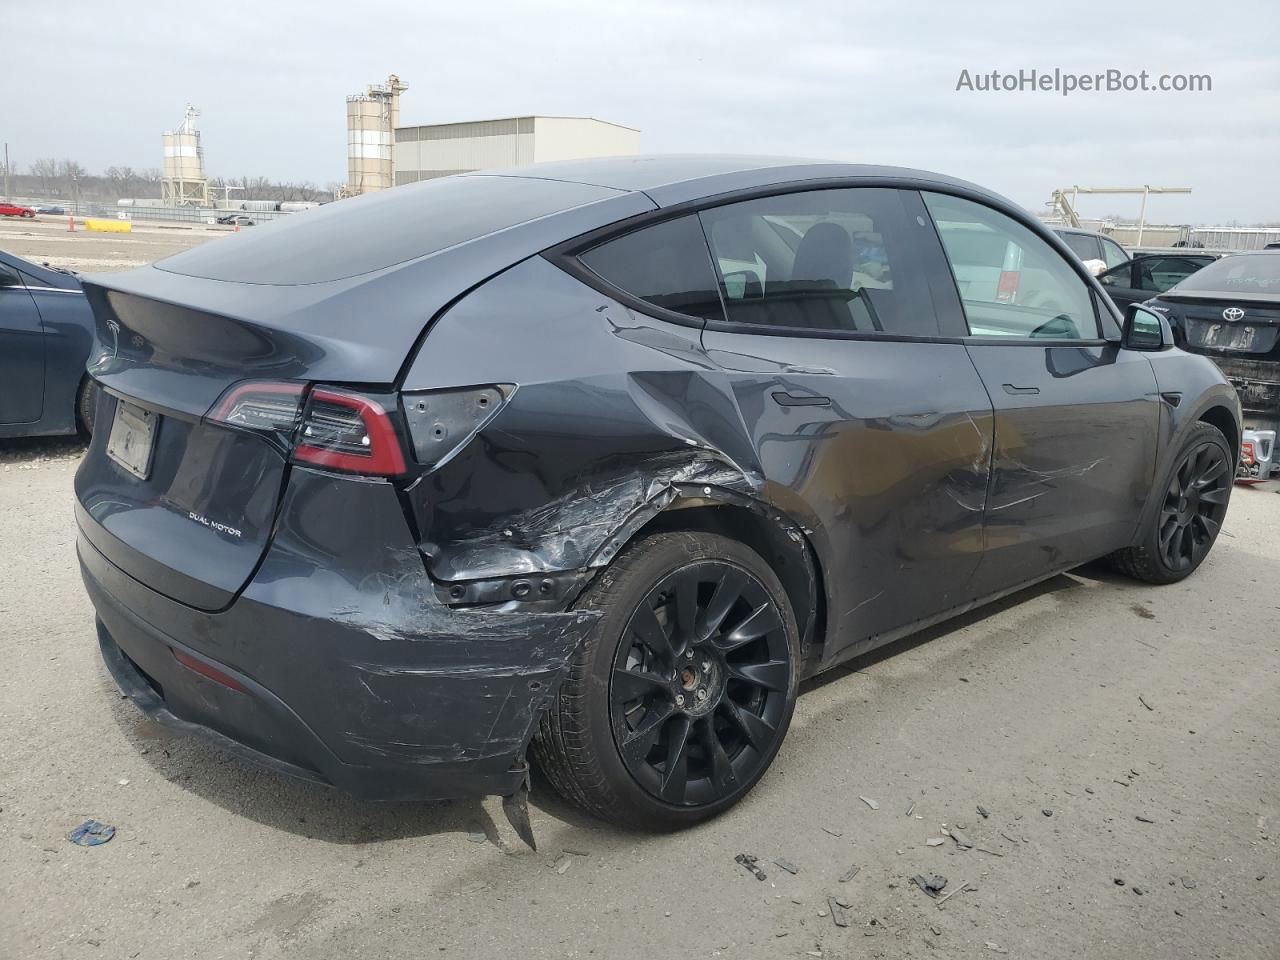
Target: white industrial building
[
  {"x": 441, "y": 149},
  {"x": 382, "y": 154}
]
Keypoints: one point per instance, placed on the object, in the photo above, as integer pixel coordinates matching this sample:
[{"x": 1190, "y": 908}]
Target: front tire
[
  {"x": 1183, "y": 529},
  {"x": 678, "y": 701}
]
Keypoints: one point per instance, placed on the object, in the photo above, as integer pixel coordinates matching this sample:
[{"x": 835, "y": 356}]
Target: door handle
[
  {"x": 1021, "y": 391},
  {"x": 797, "y": 400}
]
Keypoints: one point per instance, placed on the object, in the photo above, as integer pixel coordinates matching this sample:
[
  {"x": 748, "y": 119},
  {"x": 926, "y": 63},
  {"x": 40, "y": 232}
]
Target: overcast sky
[{"x": 858, "y": 81}]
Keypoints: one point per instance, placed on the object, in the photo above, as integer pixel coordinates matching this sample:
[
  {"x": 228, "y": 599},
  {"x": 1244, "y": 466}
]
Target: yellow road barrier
[{"x": 108, "y": 226}]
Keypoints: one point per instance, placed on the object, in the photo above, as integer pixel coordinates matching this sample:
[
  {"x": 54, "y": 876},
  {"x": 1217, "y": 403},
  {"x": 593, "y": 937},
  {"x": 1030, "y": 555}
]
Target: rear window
[
  {"x": 1248, "y": 273},
  {"x": 378, "y": 230}
]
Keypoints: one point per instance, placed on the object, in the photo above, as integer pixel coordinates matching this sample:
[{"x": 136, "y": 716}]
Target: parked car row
[{"x": 46, "y": 330}]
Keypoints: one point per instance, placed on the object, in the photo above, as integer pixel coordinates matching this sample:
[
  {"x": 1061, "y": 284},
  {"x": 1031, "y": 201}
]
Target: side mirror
[{"x": 1146, "y": 330}]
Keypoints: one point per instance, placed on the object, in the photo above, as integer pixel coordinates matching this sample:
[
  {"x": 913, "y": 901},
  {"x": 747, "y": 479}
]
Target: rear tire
[
  {"x": 1195, "y": 490},
  {"x": 678, "y": 700},
  {"x": 86, "y": 406}
]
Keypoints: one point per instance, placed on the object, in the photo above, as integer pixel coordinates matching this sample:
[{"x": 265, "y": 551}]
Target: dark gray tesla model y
[{"x": 599, "y": 459}]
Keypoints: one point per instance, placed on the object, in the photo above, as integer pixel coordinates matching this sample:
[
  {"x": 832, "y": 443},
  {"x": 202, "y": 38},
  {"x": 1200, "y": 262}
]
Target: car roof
[{"x": 669, "y": 179}]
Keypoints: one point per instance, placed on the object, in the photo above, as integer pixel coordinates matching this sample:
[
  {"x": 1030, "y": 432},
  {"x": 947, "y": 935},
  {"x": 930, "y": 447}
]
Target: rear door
[
  {"x": 21, "y": 352},
  {"x": 1075, "y": 415},
  {"x": 865, "y": 415},
  {"x": 864, "y": 410}
]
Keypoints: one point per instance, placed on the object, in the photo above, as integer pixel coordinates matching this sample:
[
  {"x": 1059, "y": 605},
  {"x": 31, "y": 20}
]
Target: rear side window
[
  {"x": 1083, "y": 246},
  {"x": 1011, "y": 282},
  {"x": 666, "y": 265},
  {"x": 843, "y": 260}
]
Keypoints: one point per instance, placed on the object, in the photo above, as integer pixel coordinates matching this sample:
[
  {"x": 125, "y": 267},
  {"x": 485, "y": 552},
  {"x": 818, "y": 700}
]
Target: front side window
[
  {"x": 1013, "y": 284},
  {"x": 1121, "y": 276},
  {"x": 666, "y": 265},
  {"x": 1113, "y": 253},
  {"x": 838, "y": 260}
]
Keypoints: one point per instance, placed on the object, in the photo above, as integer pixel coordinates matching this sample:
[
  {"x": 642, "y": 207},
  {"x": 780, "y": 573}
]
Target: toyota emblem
[{"x": 1233, "y": 314}]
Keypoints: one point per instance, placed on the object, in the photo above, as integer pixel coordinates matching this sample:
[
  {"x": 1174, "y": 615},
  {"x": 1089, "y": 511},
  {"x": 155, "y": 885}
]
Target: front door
[{"x": 1075, "y": 416}]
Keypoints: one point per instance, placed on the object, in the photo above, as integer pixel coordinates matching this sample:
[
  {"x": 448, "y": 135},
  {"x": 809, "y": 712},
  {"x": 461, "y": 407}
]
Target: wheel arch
[
  {"x": 1221, "y": 417},
  {"x": 781, "y": 543}
]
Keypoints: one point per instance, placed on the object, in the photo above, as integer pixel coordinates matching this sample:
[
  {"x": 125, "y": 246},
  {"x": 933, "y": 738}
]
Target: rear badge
[
  {"x": 213, "y": 525},
  {"x": 1232, "y": 314}
]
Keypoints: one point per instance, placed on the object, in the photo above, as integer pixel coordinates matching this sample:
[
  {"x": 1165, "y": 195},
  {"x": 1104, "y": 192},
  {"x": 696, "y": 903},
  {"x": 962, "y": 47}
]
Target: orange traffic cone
[{"x": 71, "y": 224}]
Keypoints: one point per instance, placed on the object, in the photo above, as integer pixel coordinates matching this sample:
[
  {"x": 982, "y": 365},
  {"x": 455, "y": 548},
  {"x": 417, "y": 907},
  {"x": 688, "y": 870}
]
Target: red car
[{"x": 13, "y": 210}]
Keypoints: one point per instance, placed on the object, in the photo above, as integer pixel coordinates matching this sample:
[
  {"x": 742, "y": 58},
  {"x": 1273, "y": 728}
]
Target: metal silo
[
  {"x": 184, "y": 182},
  {"x": 371, "y": 121}
]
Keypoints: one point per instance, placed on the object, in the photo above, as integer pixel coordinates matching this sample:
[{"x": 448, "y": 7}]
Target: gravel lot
[
  {"x": 1031, "y": 708},
  {"x": 46, "y": 239}
]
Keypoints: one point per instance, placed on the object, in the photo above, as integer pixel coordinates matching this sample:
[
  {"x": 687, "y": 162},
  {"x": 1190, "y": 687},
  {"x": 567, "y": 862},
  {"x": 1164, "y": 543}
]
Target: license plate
[{"x": 129, "y": 443}]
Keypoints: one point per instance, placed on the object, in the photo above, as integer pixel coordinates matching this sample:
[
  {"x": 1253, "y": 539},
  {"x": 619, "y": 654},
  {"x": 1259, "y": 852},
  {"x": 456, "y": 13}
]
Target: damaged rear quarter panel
[{"x": 614, "y": 413}]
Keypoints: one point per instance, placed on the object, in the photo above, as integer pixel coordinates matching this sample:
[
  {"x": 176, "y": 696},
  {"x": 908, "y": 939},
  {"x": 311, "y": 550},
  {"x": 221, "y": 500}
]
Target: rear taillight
[
  {"x": 265, "y": 406},
  {"x": 1247, "y": 453},
  {"x": 348, "y": 431},
  {"x": 321, "y": 426}
]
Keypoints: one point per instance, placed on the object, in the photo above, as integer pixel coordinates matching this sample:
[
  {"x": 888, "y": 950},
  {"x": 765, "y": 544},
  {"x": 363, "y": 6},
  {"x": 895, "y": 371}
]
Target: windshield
[{"x": 1247, "y": 273}]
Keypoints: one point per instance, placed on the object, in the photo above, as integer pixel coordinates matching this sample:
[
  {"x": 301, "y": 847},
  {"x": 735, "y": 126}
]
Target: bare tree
[{"x": 46, "y": 170}]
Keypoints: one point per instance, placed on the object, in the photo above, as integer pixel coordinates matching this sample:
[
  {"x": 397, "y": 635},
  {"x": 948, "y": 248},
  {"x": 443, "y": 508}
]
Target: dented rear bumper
[{"x": 345, "y": 668}]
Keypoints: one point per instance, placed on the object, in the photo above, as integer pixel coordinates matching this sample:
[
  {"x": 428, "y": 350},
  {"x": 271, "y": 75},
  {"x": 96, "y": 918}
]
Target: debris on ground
[
  {"x": 870, "y": 803},
  {"x": 911, "y": 808},
  {"x": 1141, "y": 819},
  {"x": 1121, "y": 782},
  {"x": 995, "y": 947},
  {"x": 839, "y": 911},
  {"x": 1143, "y": 701},
  {"x": 1047, "y": 812},
  {"x": 994, "y": 853},
  {"x": 1137, "y": 890},
  {"x": 1009, "y": 838},
  {"x": 850, "y": 873},
  {"x": 1188, "y": 883},
  {"x": 964, "y": 885},
  {"x": 562, "y": 863},
  {"x": 1118, "y": 882},
  {"x": 983, "y": 812},
  {"x": 787, "y": 865},
  {"x": 749, "y": 862},
  {"x": 935, "y": 841},
  {"x": 91, "y": 833},
  {"x": 930, "y": 885},
  {"x": 961, "y": 838},
  {"x": 834, "y": 833}
]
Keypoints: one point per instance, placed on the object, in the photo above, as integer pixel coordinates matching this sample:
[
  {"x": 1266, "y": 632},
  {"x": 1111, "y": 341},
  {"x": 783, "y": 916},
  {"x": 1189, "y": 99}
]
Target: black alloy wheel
[
  {"x": 700, "y": 682},
  {"x": 1186, "y": 510},
  {"x": 1194, "y": 506}
]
